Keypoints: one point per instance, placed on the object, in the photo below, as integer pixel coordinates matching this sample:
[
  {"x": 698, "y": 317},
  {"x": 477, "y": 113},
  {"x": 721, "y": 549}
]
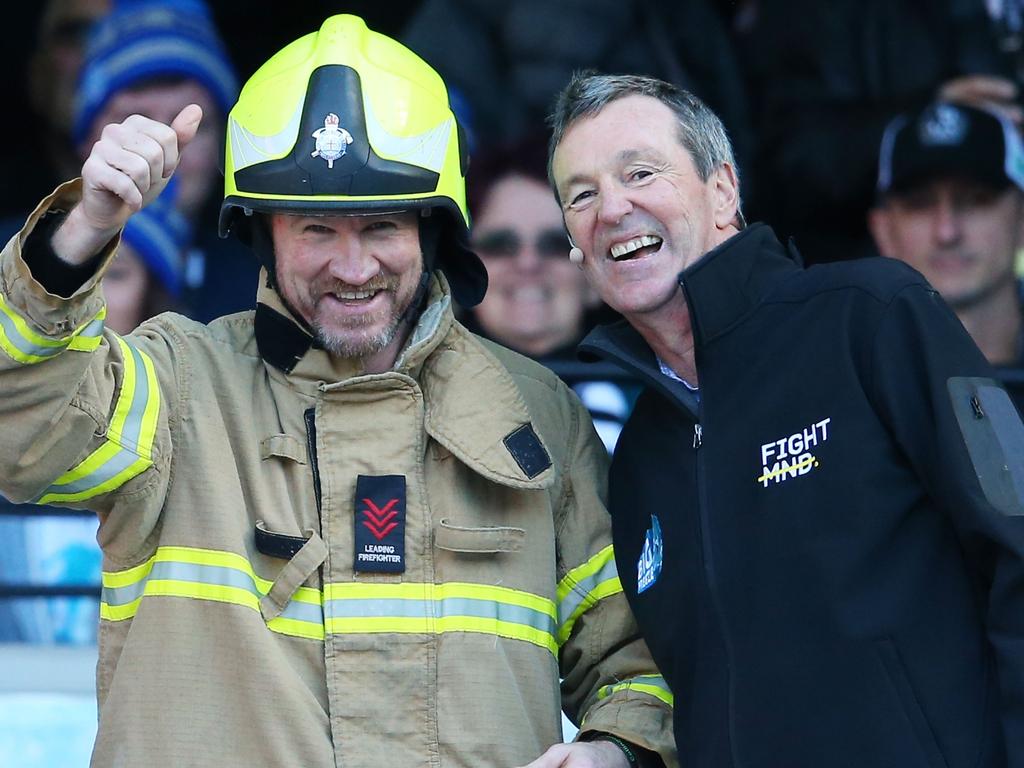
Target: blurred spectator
[
  {"x": 46, "y": 155},
  {"x": 537, "y": 301},
  {"x": 508, "y": 58},
  {"x": 146, "y": 276},
  {"x": 830, "y": 76},
  {"x": 951, "y": 205},
  {"x": 152, "y": 57},
  {"x": 53, "y": 76}
]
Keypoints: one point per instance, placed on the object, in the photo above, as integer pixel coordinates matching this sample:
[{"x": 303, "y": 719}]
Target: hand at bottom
[{"x": 582, "y": 754}]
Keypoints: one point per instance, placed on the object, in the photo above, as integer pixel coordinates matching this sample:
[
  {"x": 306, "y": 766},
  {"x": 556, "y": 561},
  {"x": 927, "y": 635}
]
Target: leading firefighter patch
[{"x": 380, "y": 524}]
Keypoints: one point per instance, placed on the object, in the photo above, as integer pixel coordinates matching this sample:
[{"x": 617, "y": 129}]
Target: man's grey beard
[{"x": 364, "y": 346}]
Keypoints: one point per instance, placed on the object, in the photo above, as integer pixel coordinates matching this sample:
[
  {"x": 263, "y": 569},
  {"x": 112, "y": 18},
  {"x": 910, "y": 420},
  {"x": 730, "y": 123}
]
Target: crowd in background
[{"x": 827, "y": 104}]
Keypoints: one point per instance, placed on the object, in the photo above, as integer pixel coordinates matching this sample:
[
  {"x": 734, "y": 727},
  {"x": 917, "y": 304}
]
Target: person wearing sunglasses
[{"x": 538, "y": 302}]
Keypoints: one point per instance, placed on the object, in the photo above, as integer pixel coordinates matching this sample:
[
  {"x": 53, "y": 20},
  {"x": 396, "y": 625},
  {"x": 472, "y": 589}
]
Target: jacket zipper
[
  {"x": 979, "y": 413},
  {"x": 704, "y": 516},
  {"x": 310, "y": 418}
]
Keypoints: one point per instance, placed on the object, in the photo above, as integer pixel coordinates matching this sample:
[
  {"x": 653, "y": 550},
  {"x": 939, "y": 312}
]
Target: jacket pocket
[
  {"x": 478, "y": 539},
  {"x": 895, "y": 669},
  {"x": 994, "y": 437}
]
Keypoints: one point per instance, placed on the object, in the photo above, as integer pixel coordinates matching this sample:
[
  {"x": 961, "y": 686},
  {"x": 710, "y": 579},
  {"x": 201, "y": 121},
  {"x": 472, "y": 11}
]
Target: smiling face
[
  {"x": 351, "y": 278},
  {"x": 635, "y": 204},
  {"x": 961, "y": 235},
  {"x": 535, "y": 296}
]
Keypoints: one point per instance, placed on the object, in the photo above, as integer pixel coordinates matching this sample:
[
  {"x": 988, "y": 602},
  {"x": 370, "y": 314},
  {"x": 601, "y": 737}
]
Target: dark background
[{"x": 253, "y": 30}]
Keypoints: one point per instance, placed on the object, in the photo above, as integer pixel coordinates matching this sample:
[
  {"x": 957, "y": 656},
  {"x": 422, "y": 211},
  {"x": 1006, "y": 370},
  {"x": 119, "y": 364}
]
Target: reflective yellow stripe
[
  {"x": 425, "y": 608},
  {"x": 24, "y": 345},
  {"x": 437, "y": 626},
  {"x": 652, "y": 685},
  {"x": 196, "y": 556},
  {"x": 285, "y": 626},
  {"x": 128, "y": 577},
  {"x": 128, "y": 449},
  {"x": 582, "y": 587},
  {"x": 202, "y": 574},
  {"x": 349, "y": 607},
  {"x": 216, "y": 592},
  {"x": 427, "y": 591}
]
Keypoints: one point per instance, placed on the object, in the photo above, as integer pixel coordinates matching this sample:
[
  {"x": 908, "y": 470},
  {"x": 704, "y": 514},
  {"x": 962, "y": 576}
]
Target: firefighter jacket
[{"x": 309, "y": 566}]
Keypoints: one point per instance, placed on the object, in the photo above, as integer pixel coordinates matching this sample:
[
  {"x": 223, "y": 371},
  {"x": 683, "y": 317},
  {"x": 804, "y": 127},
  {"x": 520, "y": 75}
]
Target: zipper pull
[
  {"x": 698, "y": 435},
  {"x": 976, "y": 407}
]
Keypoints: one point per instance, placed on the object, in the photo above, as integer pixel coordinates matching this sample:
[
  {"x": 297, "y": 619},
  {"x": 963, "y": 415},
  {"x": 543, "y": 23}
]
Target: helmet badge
[{"x": 332, "y": 140}]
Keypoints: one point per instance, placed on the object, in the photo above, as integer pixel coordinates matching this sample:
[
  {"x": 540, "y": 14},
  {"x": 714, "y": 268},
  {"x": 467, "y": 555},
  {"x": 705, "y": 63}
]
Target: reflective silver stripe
[
  {"x": 23, "y": 347},
  {"x": 442, "y": 608},
  {"x": 164, "y": 570},
  {"x": 248, "y": 149},
  {"x": 215, "y": 575},
  {"x": 92, "y": 330},
  {"x": 115, "y": 464},
  {"x": 127, "y": 440},
  {"x": 425, "y": 150},
  {"x": 583, "y": 589}
]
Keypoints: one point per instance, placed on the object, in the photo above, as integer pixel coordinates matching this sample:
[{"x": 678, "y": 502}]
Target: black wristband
[
  {"x": 50, "y": 270},
  {"x": 625, "y": 746}
]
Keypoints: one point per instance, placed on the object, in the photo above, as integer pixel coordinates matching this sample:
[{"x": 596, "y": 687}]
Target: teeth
[
  {"x": 353, "y": 295},
  {"x": 621, "y": 250}
]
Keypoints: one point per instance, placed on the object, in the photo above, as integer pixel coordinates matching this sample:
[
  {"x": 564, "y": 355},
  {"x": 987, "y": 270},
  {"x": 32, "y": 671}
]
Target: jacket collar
[
  {"x": 471, "y": 402},
  {"x": 721, "y": 289},
  {"x": 732, "y": 280},
  {"x": 473, "y": 406},
  {"x": 622, "y": 344},
  {"x": 288, "y": 346}
]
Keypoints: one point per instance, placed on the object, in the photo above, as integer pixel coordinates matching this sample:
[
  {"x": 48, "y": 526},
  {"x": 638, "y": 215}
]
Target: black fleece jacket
[{"x": 834, "y": 532}]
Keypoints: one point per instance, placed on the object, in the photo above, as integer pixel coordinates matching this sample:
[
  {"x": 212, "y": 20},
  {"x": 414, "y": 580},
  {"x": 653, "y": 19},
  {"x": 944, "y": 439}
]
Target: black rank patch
[
  {"x": 380, "y": 524},
  {"x": 526, "y": 449}
]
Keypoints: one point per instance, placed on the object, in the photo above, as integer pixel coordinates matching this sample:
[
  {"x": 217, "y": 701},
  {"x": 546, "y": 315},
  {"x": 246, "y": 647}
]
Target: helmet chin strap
[
  {"x": 430, "y": 234},
  {"x": 262, "y": 245},
  {"x": 412, "y": 312}
]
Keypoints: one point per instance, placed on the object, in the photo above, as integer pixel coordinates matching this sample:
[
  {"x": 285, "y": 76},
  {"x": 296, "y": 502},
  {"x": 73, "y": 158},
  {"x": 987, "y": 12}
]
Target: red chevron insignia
[{"x": 378, "y": 518}]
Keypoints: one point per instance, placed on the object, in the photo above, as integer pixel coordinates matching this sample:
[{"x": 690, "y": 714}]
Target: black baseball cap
[{"x": 945, "y": 139}]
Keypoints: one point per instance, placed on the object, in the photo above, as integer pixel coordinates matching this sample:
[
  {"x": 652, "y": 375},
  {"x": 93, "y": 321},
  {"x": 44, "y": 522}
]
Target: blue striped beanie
[
  {"x": 161, "y": 236},
  {"x": 141, "y": 40}
]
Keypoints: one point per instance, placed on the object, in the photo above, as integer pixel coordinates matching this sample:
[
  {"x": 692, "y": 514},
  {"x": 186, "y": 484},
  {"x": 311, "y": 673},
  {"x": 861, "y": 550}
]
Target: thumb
[{"x": 186, "y": 124}]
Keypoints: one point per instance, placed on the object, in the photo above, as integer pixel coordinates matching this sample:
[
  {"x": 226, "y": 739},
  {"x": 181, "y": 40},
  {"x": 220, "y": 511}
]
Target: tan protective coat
[{"x": 197, "y": 675}]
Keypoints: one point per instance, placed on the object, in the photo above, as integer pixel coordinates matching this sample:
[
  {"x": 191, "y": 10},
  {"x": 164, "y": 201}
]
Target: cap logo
[
  {"x": 332, "y": 140},
  {"x": 944, "y": 125}
]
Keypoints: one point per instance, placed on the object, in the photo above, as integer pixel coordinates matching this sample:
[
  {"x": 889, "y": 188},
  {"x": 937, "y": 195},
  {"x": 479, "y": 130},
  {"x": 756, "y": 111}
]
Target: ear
[
  {"x": 726, "y": 195},
  {"x": 880, "y": 225}
]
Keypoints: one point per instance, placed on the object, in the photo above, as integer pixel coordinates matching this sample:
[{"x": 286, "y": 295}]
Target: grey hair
[{"x": 700, "y": 130}]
